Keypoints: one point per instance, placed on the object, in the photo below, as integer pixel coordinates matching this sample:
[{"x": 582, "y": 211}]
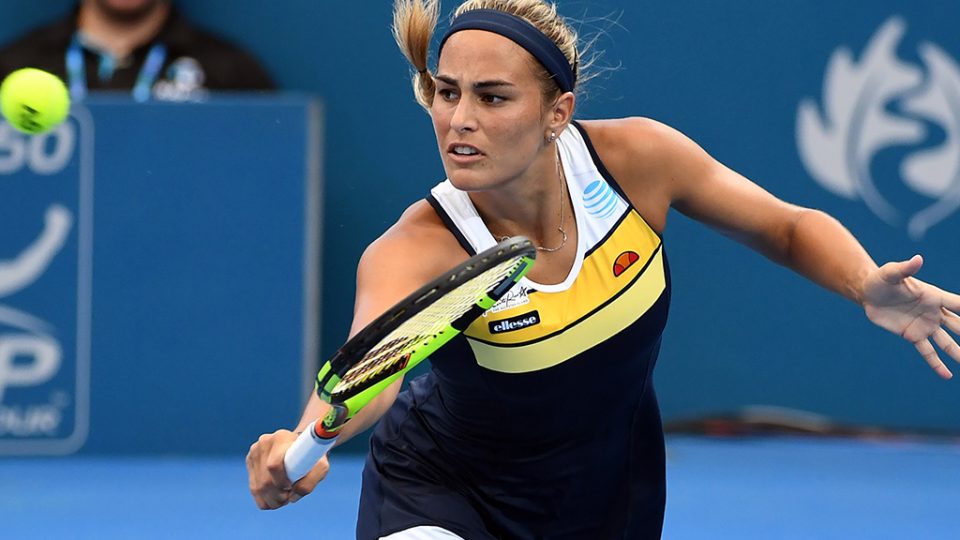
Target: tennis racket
[{"x": 403, "y": 337}]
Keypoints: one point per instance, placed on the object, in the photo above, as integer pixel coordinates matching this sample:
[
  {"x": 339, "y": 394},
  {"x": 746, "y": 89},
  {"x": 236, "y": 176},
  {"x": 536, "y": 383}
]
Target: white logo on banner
[
  {"x": 15, "y": 275},
  {"x": 44, "y": 336},
  {"x": 838, "y": 143}
]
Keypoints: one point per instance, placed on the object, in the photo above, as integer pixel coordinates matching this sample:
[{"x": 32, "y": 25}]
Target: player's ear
[{"x": 561, "y": 112}]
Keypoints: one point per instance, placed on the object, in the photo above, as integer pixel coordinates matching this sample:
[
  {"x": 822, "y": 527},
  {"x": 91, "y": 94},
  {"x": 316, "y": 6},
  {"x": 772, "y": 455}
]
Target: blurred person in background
[{"x": 141, "y": 46}]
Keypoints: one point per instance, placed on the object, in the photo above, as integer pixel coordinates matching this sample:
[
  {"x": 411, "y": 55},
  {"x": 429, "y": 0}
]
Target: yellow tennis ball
[{"x": 34, "y": 101}]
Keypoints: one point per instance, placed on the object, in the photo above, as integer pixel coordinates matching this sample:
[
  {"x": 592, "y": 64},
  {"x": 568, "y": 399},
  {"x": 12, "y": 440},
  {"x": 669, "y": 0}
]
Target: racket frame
[{"x": 344, "y": 406}]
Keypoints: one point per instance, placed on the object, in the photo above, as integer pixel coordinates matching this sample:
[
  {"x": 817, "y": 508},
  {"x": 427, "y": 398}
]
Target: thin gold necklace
[{"x": 563, "y": 242}]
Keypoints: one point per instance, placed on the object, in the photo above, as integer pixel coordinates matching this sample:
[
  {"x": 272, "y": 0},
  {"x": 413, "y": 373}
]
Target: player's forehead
[{"x": 470, "y": 56}]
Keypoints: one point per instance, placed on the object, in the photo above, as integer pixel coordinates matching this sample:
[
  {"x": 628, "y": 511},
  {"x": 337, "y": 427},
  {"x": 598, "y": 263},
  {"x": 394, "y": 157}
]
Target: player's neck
[
  {"x": 120, "y": 38},
  {"x": 537, "y": 206},
  {"x": 529, "y": 199}
]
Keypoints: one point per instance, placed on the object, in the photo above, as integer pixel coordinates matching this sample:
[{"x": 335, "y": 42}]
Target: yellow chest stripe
[
  {"x": 604, "y": 323},
  {"x": 596, "y": 284},
  {"x": 552, "y": 327}
]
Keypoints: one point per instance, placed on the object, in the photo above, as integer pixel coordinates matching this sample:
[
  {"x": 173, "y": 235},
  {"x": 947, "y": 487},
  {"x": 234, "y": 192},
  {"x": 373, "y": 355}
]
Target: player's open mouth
[{"x": 463, "y": 152}]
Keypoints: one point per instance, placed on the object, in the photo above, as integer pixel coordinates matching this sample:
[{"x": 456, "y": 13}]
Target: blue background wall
[{"x": 729, "y": 74}]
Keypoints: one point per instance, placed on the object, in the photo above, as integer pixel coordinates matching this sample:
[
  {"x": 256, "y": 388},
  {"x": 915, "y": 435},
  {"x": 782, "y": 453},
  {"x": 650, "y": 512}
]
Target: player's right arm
[{"x": 412, "y": 252}]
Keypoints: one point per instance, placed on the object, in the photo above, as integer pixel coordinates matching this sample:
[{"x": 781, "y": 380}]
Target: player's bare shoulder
[
  {"x": 631, "y": 144},
  {"x": 416, "y": 249},
  {"x": 641, "y": 154}
]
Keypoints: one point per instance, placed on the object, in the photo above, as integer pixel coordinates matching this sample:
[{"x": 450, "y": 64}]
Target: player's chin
[{"x": 466, "y": 179}]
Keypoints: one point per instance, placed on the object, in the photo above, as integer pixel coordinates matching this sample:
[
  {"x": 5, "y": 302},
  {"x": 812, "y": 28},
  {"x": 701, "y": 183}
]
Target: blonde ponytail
[{"x": 414, "y": 22}]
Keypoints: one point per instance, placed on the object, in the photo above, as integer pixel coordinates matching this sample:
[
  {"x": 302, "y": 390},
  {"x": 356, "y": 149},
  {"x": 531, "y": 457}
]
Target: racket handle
[{"x": 305, "y": 452}]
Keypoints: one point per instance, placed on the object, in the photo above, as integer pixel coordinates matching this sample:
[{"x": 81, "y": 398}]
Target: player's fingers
[
  {"x": 274, "y": 462},
  {"x": 926, "y": 350},
  {"x": 275, "y": 499},
  {"x": 947, "y": 344},
  {"x": 308, "y": 483},
  {"x": 266, "y": 495},
  {"x": 951, "y": 320},
  {"x": 271, "y": 498},
  {"x": 254, "y": 480},
  {"x": 951, "y": 302},
  {"x": 895, "y": 272},
  {"x": 278, "y": 473},
  {"x": 261, "y": 502}
]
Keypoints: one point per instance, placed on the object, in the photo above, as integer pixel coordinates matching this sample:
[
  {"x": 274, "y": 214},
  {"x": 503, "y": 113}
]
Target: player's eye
[
  {"x": 492, "y": 99},
  {"x": 448, "y": 94}
]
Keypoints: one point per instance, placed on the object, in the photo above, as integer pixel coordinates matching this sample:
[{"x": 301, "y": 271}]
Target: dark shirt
[
  {"x": 195, "y": 60},
  {"x": 551, "y": 431}
]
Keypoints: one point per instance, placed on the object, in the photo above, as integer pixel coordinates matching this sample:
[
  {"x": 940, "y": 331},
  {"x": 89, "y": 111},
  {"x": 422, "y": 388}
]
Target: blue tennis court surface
[{"x": 784, "y": 488}]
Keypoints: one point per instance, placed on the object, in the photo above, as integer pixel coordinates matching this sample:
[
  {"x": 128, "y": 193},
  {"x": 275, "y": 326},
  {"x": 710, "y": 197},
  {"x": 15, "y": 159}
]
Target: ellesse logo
[
  {"x": 515, "y": 323},
  {"x": 624, "y": 260}
]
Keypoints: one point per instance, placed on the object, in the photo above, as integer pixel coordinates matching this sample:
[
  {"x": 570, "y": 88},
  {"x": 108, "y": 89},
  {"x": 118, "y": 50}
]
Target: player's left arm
[{"x": 808, "y": 241}]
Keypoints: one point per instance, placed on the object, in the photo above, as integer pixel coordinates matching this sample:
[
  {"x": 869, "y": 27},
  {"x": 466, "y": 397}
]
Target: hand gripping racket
[{"x": 404, "y": 336}]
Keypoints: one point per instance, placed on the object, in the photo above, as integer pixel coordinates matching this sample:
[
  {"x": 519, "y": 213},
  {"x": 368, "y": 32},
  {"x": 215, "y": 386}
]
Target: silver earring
[{"x": 552, "y": 137}]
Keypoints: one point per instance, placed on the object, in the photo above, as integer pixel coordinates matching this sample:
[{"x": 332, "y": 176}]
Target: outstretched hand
[{"x": 917, "y": 311}]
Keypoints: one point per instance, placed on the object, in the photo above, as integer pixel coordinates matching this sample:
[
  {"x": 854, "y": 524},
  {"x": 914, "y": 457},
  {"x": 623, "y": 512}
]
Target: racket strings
[{"x": 392, "y": 353}]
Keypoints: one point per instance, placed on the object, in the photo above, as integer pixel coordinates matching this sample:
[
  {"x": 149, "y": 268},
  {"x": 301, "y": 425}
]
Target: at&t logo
[{"x": 880, "y": 106}]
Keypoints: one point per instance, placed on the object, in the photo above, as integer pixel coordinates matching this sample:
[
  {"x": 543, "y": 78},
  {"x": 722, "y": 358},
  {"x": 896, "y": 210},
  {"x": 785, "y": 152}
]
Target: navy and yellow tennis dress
[{"x": 540, "y": 421}]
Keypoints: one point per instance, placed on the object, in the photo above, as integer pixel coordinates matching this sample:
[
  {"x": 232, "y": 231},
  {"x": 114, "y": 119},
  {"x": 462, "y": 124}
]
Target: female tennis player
[{"x": 541, "y": 421}]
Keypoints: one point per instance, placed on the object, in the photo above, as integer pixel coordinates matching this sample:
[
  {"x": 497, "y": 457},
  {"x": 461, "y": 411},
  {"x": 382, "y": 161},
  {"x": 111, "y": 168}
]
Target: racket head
[{"x": 412, "y": 329}]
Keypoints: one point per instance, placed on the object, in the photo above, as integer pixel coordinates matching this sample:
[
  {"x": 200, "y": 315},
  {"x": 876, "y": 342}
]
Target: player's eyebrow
[{"x": 477, "y": 85}]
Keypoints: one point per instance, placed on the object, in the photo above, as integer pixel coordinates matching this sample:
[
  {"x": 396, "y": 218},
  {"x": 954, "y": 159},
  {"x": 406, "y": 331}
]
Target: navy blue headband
[{"x": 522, "y": 33}]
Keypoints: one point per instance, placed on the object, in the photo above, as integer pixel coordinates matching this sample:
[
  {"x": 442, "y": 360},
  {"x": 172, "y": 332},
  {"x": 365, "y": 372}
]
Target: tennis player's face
[{"x": 487, "y": 112}]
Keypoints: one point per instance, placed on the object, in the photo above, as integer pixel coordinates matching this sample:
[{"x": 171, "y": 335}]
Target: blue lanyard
[{"x": 77, "y": 71}]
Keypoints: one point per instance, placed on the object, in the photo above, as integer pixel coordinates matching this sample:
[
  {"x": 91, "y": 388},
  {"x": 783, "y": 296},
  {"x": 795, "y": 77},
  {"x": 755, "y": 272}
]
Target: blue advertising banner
[
  {"x": 46, "y": 197},
  {"x": 159, "y": 276}
]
